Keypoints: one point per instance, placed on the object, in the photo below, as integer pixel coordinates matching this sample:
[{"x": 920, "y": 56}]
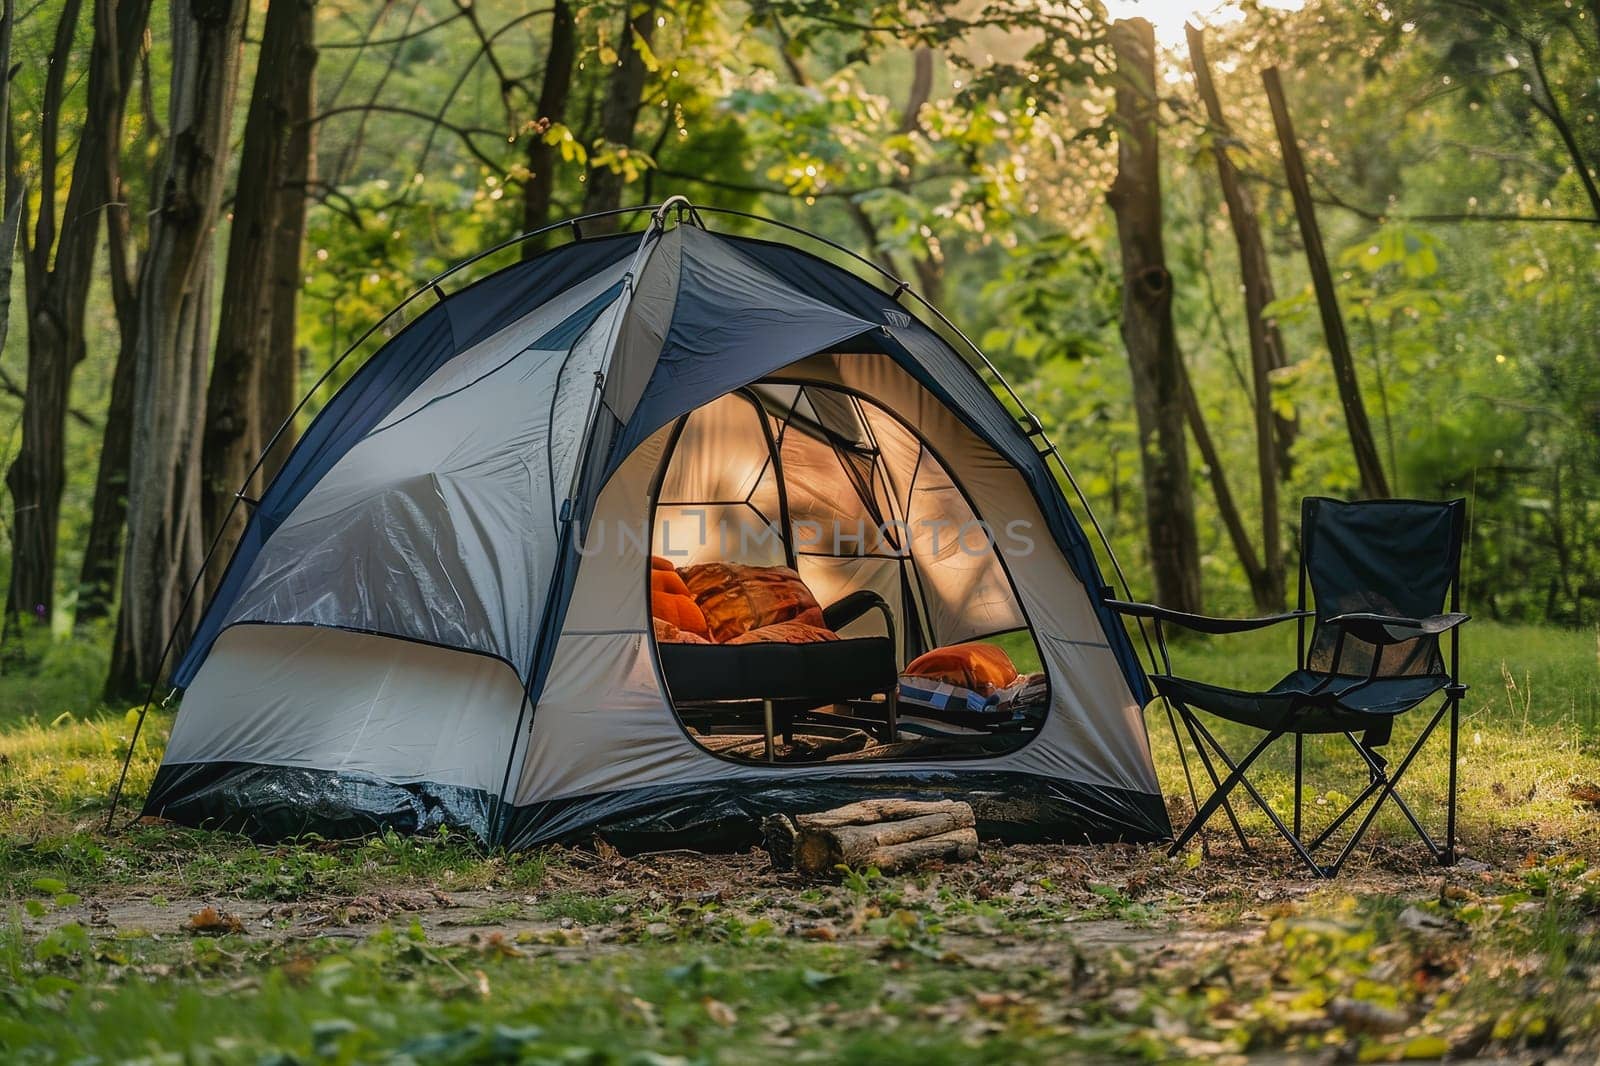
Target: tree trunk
[
  {"x": 58, "y": 289},
  {"x": 1373, "y": 483},
  {"x": 929, "y": 269},
  {"x": 170, "y": 342},
  {"x": 619, "y": 114},
  {"x": 97, "y": 576},
  {"x": 280, "y": 382},
  {"x": 1267, "y": 593},
  {"x": 1147, "y": 328},
  {"x": 1274, "y": 435},
  {"x": 554, "y": 89},
  {"x": 15, "y": 198},
  {"x": 235, "y": 400}
]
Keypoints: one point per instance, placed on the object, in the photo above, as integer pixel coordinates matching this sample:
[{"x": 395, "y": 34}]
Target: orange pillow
[
  {"x": 671, "y": 602},
  {"x": 982, "y": 668},
  {"x": 736, "y": 599},
  {"x": 658, "y": 563},
  {"x": 667, "y": 633},
  {"x": 786, "y": 633}
]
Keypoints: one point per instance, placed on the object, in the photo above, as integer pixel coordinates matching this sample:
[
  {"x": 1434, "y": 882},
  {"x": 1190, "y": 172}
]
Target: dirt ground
[{"x": 1097, "y": 897}]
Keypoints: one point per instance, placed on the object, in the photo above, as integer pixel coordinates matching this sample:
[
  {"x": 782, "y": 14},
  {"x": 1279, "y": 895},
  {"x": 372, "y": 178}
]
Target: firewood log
[{"x": 893, "y": 835}]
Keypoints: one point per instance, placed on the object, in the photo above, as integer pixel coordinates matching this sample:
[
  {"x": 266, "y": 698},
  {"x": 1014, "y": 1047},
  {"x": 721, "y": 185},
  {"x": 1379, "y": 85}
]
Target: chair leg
[
  {"x": 1379, "y": 774},
  {"x": 1373, "y": 784},
  {"x": 1387, "y": 791},
  {"x": 1299, "y": 755},
  {"x": 1216, "y": 782},
  {"x": 1266, "y": 808},
  {"x": 1449, "y": 857},
  {"x": 1220, "y": 796},
  {"x": 1183, "y": 758}
]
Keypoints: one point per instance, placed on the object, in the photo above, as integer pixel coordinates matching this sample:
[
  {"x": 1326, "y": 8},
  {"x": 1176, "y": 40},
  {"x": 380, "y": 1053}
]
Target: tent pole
[{"x": 570, "y": 527}]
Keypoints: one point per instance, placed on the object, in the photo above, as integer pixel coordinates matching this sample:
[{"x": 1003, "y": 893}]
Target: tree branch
[
  {"x": 400, "y": 38},
  {"x": 11, "y": 388},
  {"x": 1557, "y": 119},
  {"x": 1332, "y": 199},
  {"x": 464, "y": 133}
]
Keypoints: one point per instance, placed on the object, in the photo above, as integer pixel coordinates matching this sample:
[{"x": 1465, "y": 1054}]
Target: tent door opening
[{"x": 823, "y": 590}]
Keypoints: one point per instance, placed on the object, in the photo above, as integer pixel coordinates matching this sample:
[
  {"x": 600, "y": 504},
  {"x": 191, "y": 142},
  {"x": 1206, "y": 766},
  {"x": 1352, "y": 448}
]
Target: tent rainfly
[{"x": 441, "y": 611}]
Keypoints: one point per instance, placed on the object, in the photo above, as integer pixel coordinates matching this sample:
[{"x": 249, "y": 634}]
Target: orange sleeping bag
[
  {"x": 739, "y": 599},
  {"x": 981, "y": 668}
]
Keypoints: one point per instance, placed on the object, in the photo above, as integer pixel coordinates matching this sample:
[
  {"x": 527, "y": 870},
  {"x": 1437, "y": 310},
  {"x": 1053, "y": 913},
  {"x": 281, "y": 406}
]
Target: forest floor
[{"x": 158, "y": 944}]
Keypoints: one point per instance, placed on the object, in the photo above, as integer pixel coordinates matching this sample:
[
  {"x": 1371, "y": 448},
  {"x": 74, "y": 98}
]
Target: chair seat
[
  {"x": 825, "y": 672},
  {"x": 1306, "y": 701}
]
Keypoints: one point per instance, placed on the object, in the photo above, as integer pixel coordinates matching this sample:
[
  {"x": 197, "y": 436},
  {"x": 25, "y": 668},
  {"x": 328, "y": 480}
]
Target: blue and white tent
[{"x": 418, "y": 627}]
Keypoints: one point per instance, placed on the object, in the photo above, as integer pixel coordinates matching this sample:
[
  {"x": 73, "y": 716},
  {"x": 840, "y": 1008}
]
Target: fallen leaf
[
  {"x": 720, "y": 1012},
  {"x": 209, "y": 921},
  {"x": 1425, "y": 1047},
  {"x": 819, "y": 931},
  {"x": 1585, "y": 792}
]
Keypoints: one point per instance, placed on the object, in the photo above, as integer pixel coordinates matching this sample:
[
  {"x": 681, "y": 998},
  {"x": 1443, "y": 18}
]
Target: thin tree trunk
[
  {"x": 1268, "y": 595},
  {"x": 554, "y": 88},
  {"x": 619, "y": 115},
  {"x": 1274, "y": 435},
  {"x": 280, "y": 381},
  {"x": 15, "y": 191},
  {"x": 97, "y": 577},
  {"x": 930, "y": 272},
  {"x": 38, "y": 471},
  {"x": 102, "y": 552},
  {"x": 234, "y": 433},
  {"x": 1147, "y": 327},
  {"x": 1373, "y": 483},
  {"x": 59, "y": 288},
  {"x": 170, "y": 340}
]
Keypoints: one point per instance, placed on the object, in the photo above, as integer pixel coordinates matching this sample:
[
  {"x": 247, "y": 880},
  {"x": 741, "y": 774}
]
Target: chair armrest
[
  {"x": 842, "y": 612},
  {"x": 1201, "y": 623},
  {"x": 1390, "y": 629}
]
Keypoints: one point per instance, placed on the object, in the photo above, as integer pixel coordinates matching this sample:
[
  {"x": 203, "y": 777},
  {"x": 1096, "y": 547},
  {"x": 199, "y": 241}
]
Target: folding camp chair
[{"x": 1378, "y": 572}]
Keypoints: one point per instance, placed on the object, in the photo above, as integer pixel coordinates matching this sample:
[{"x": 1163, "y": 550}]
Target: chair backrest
[{"x": 1394, "y": 557}]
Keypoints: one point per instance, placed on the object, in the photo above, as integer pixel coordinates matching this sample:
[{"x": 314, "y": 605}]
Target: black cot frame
[{"x": 1379, "y": 630}]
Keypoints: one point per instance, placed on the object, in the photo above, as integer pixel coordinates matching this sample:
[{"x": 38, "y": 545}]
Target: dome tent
[{"x": 440, "y": 611}]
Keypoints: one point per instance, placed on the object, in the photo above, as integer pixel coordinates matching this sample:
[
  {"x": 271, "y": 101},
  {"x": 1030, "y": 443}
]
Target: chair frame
[{"x": 1381, "y": 786}]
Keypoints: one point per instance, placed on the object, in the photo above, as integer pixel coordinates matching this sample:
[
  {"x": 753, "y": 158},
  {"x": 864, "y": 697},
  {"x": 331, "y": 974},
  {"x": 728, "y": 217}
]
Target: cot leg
[{"x": 766, "y": 721}]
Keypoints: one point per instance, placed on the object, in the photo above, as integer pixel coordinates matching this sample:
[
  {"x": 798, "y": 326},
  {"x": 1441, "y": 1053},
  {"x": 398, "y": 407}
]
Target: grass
[{"x": 405, "y": 950}]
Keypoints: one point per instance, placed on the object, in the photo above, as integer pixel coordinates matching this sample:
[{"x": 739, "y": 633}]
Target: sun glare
[{"x": 1168, "y": 16}]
